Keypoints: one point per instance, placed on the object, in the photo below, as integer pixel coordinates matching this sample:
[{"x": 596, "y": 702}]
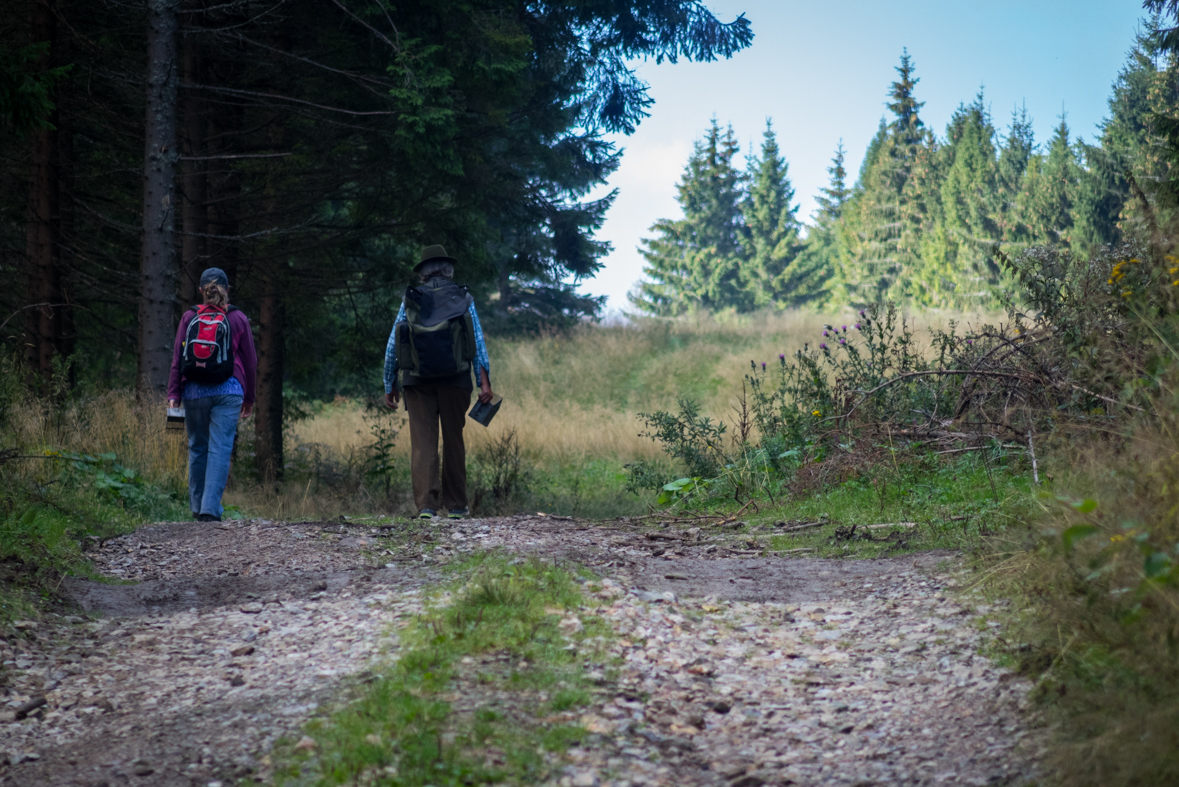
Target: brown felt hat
[{"x": 431, "y": 253}]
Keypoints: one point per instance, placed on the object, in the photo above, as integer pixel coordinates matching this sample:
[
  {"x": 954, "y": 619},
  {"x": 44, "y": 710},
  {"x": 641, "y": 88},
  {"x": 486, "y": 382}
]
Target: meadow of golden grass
[
  {"x": 112, "y": 422},
  {"x": 576, "y": 396},
  {"x": 571, "y": 398}
]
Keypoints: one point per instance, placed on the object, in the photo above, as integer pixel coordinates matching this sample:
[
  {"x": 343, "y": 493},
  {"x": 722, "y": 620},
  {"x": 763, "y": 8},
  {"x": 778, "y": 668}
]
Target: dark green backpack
[{"x": 437, "y": 338}]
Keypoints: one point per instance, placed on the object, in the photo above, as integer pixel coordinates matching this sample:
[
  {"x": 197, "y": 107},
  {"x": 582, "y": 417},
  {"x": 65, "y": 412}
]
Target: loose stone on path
[{"x": 808, "y": 672}]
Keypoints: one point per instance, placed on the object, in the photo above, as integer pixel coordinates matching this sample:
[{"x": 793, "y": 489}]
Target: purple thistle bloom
[
  {"x": 862, "y": 313},
  {"x": 858, "y": 328},
  {"x": 970, "y": 341},
  {"x": 845, "y": 329},
  {"x": 781, "y": 356},
  {"x": 842, "y": 340},
  {"x": 824, "y": 333},
  {"x": 823, "y": 346},
  {"x": 763, "y": 366}
]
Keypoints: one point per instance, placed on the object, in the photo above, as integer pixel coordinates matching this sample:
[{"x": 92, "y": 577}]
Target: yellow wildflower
[
  {"x": 1126, "y": 293},
  {"x": 816, "y": 413}
]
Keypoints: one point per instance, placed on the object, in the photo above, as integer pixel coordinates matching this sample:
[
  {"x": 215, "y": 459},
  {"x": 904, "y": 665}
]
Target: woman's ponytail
[{"x": 215, "y": 295}]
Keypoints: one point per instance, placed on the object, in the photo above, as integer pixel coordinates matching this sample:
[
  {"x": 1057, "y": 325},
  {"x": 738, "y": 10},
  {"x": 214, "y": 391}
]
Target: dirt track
[{"x": 829, "y": 672}]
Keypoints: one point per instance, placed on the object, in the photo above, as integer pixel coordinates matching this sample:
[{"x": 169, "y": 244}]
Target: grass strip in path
[{"x": 476, "y": 694}]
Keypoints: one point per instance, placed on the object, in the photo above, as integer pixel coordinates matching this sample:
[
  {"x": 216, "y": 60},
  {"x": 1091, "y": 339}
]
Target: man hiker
[{"x": 435, "y": 344}]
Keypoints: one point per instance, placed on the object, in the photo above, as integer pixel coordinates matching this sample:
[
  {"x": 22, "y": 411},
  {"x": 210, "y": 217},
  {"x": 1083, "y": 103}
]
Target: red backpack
[{"x": 207, "y": 354}]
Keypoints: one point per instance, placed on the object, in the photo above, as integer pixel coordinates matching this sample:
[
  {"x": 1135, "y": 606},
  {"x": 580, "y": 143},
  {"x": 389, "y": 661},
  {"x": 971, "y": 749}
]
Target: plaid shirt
[{"x": 481, "y": 360}]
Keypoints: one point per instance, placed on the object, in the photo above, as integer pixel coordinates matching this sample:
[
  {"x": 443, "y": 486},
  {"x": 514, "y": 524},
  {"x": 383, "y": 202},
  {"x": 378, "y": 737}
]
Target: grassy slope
[{"x": 573, "y": 400}]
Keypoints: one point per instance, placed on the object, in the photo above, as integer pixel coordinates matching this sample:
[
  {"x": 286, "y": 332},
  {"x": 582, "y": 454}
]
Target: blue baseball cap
[{"x": 214, "y": 276}]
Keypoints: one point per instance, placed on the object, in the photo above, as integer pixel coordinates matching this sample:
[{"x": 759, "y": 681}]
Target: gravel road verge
[{"x": 735, "y": 669}]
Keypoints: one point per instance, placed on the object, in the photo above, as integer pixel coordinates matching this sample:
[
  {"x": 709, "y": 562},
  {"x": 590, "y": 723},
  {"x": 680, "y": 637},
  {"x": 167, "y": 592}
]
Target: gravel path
[{"x": 737, "y": 669}]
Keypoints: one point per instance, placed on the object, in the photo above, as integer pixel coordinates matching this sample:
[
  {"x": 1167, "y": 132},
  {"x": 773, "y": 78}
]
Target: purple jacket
[{"x": 245, "y": 360}]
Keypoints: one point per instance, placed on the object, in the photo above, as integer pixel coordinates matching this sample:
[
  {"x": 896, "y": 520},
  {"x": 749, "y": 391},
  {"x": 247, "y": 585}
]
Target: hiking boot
[
  {"x": 457, "y": 513},
  {"x": 427, "y": 513},
  {"x": 208, "y": 518}
]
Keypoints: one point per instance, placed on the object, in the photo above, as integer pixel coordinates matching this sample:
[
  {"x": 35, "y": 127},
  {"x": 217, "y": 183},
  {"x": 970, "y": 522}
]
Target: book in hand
[
  {"x": 483, "y": 413},
  {"x": 175, "y": 422}
]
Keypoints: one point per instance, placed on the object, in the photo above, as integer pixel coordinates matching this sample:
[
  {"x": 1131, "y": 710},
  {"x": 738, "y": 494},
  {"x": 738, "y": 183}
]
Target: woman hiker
[
  {"x": 213, "y": 366},
  {"x": 438, "y": 319}
]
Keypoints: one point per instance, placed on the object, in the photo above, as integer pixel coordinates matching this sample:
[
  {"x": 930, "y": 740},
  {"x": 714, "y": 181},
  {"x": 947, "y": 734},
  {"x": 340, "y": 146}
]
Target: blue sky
[{"x": 821, "y": 71}]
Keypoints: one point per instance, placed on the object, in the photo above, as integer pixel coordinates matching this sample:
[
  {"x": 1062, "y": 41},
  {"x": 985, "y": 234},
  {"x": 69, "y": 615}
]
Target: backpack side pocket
[{"x": 406, "y": 357}]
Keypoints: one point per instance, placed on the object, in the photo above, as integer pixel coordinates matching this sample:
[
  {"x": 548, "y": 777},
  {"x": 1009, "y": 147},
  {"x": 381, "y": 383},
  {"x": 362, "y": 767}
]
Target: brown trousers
[{"x": 428, "y": 405}]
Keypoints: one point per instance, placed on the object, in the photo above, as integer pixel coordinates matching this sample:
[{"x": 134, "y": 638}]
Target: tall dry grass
[
  {"x": 112, "y": 422},
  {"x": 570, "y": 398},
  {"x": 576, "y": 396}
]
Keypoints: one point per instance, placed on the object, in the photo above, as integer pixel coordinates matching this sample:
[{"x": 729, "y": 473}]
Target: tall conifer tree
[
  {"x": 770, "y": 273},
  {"x": 825, "y": 250},
  {"x": 1049, "y": 191},
  {"x": 885, "y": 246},
  {"x": 696, "y": 262},
  {"x": 1016, "y": 152}
]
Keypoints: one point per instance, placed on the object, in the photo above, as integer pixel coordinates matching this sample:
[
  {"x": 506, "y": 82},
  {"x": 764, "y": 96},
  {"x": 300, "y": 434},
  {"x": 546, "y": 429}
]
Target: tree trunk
[
  {"x": 268, "y": 409},
  {"x": 193, "y": 246},
  {"x": 224, "y": 187},
  {"x": 156, "y": 283},
  {"x": 45, "y": 319}
]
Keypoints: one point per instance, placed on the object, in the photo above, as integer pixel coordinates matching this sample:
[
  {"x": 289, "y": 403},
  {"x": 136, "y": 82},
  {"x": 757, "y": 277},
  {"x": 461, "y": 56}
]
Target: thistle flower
[
  {"x": 763, "y": 366},
  {"x": 970, "y": 341},
  {"x": 842, "y": 340},
  {"x": 824, "y": 333},
  {"x": 859, "y": 327},
  {"x": 845, "y": 329},
  {"x": 822, "y": 345},
  {"x": 862, "y": 314}
]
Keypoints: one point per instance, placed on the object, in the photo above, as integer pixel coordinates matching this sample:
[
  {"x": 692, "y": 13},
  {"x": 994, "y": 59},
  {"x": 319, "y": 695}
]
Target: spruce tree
[
  {"x": 886, "y": 237},
  {"x": 825, "y": 250},
  {"x": 770, "y": 273},
  {"x": 967, "y": 203},
  {"x": 1016, "y": 152},
  {"x": 1049, "y": 191},
  {"x": 836, "y": 194},
  {"x": 697, "y": 262},
  {"x": 1132, "y": 140}
]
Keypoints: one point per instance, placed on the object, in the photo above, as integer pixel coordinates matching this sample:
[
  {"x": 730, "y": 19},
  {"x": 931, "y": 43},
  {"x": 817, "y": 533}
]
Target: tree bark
[
  {"x": 193, "y": 245},
  {"x": 156, "y": 281},
  {"x": 45, "y": 322},
  {"x": 224, "y": 187},
  {"x": 268, "y": 443}
]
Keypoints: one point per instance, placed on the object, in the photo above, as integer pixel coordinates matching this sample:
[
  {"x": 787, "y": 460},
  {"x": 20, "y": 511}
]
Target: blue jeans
[{"x": 211, "y": 422}]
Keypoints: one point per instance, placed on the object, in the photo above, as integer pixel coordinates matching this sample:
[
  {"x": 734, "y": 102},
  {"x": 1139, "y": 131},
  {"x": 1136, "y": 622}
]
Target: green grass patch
[
  {"x": 471, "y": 698},
  {"x": 50, "y": 505},
  {"x": 935, "y": 503}
]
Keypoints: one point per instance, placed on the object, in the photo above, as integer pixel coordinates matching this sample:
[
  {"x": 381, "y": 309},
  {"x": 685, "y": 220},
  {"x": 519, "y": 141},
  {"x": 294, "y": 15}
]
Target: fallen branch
[{"x": 805, "y": 526}]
